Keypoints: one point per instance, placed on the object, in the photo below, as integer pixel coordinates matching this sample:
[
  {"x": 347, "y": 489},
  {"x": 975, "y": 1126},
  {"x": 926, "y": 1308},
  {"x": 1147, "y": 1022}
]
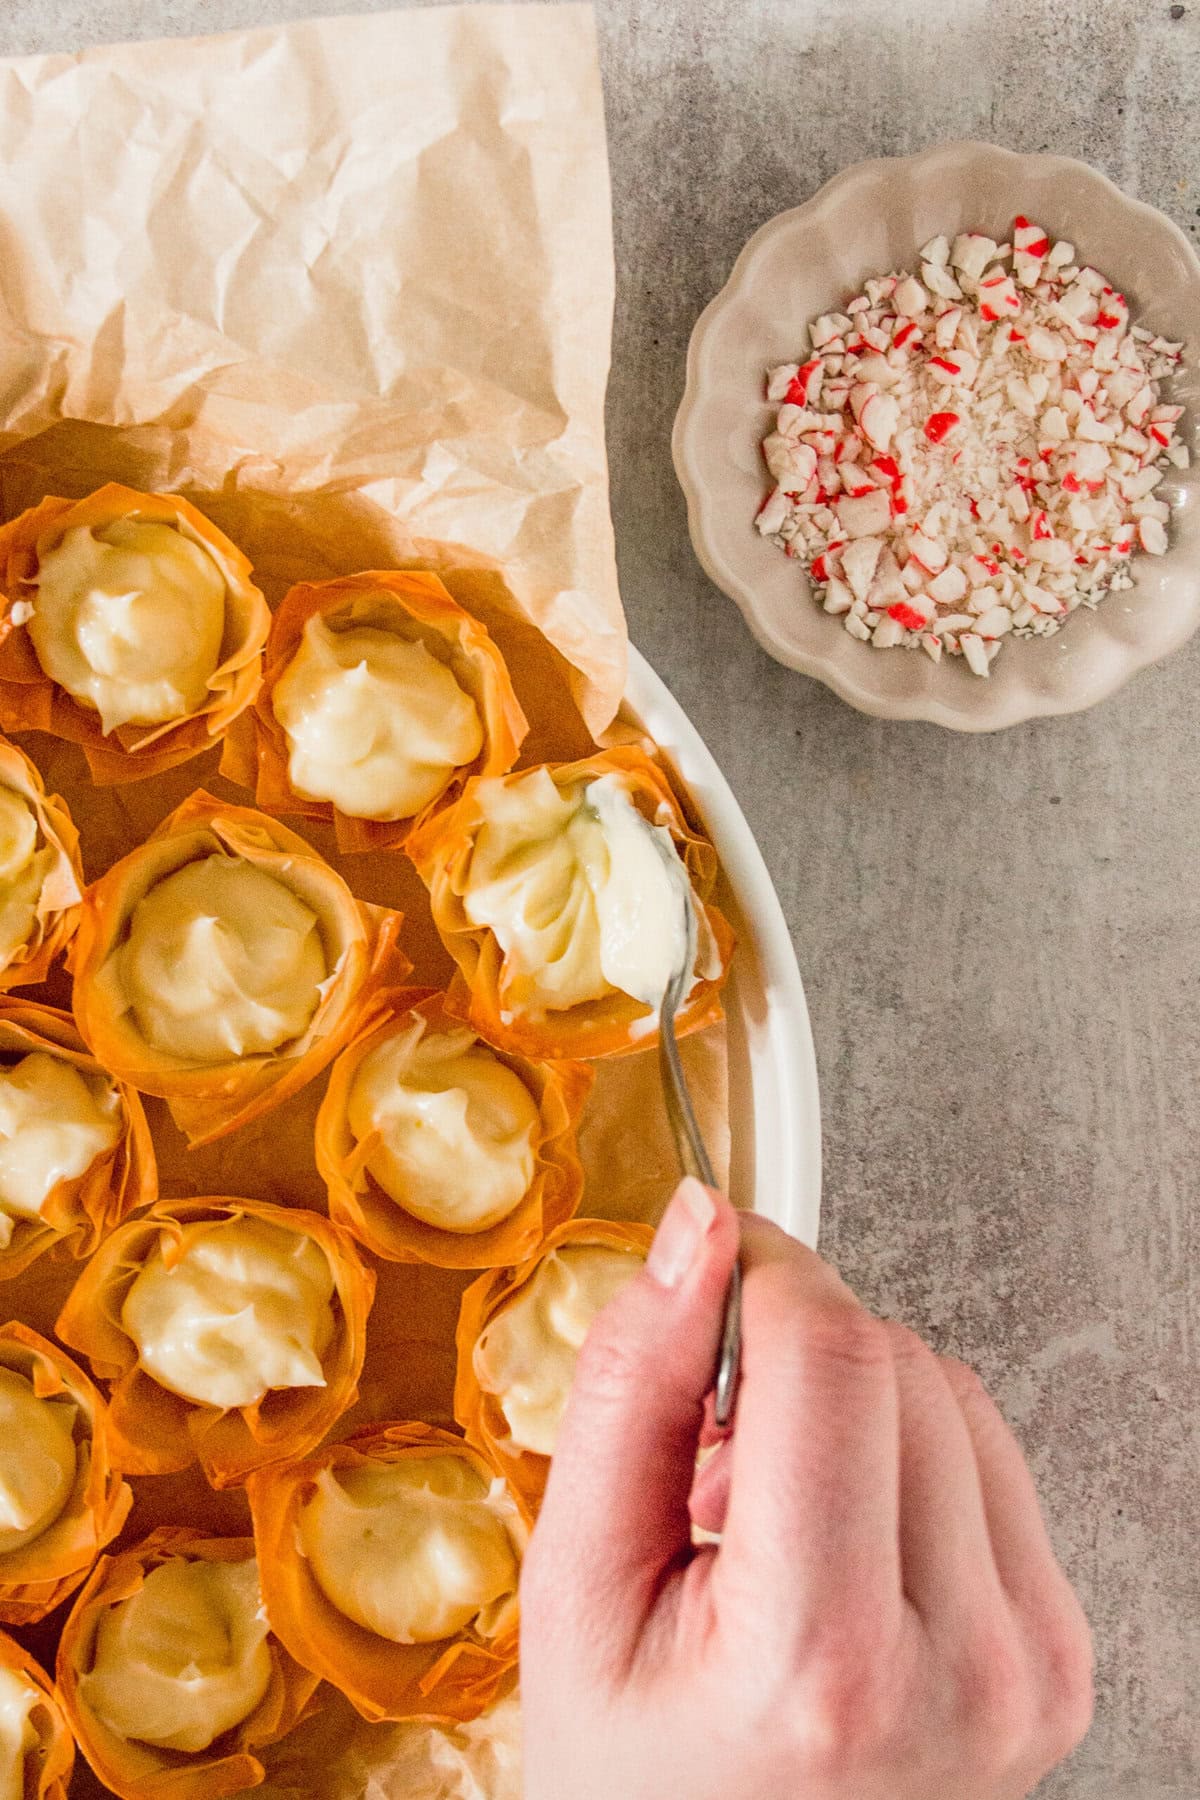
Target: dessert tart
[
  {"x": 128, "y": 625},
  {"x": 37, "y": 1751},
  {"x": 61, "y": 1498},
  {"x": 557, "y": 892},
  {"x": 380, "y": 697},
  {"x": 229, "y": 1331},
  {"x": 519, "y": 1335},
  {"x": 76, "y": 1155},
  {"x": 390, "y": 1567},
  {"x": 223, "y": 964},
  {"x": 436, "y": 1148},
  {"x": 169, "y": 1673},
  {"x": 41, "y": 878}
]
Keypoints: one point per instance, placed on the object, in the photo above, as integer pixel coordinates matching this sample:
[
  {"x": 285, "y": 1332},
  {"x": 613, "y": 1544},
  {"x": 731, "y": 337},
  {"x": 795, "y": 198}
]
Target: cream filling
[
  {"x": 414, "y": 1550},
  {"x": 18, "y": 1735},
  {"x": 221, "y": 961},
  {"x": 37, "y": 1459},
  {"x": 526, "y": 1354},
  {"x": 455, "y": 1127},
  {"x": 576, "y": 888},
  {"x": 184, "y": 1659},
  {"x": 245, "y": 1308},
  {"x": 54, "y": 1123},
  {"x": 23, "y": 870},
  {"x": 129, "y": 619},
  {"x": 374, "y": 723}
]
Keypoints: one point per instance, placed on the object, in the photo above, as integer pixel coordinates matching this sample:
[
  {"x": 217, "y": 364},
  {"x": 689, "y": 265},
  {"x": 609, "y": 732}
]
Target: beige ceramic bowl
[{"x": 873, "y": 218}]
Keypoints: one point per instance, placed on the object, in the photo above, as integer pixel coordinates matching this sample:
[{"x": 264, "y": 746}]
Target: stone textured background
[{"x": 1000, "y": 938}]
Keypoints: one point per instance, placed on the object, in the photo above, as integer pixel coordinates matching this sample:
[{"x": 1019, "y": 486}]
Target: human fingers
[
  {"x": 811, "y": 1530},
  {"x": 615, "y": 1514},
  {"x": 1045, "y": 1604},
  {"x": 948, "y": 1569}
]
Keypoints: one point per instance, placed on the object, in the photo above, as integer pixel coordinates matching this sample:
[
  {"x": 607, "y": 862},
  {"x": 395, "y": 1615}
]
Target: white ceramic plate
[
  {"x": 774, "y": 1098},
  {"x": 872, "y": 218}
]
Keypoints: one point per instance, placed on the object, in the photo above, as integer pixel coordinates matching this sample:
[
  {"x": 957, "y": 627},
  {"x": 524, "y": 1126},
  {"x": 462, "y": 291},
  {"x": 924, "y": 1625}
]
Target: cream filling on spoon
[{"x": 577, "y": 888}]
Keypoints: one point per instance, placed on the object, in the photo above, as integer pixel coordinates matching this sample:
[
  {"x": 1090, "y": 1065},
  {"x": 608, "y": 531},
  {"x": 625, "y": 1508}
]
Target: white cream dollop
[
  {"x": 415, "y": 1549},
  {"x": 456, "y": 1127},
  {"x": 577, "y": 892},
  {"x": 244, "y": 1307},
  {"x": 18, "y": 1735},
  {"x": 54, "y": 1123},
  {"x": 37, "y": 1459},
  {"x": 129, "y": 618},
  {"x": 23, "y": 870},
  {"x": 184, "y": 1659},
  {"x": 220, "y": 961},
  {"x": 526, "y": 1354},
  {"x": 374, "y": 722}
]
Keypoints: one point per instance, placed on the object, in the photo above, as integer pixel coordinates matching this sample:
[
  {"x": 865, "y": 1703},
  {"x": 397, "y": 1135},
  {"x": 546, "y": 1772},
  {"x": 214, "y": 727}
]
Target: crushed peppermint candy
[{"x": 973, "y": 452}]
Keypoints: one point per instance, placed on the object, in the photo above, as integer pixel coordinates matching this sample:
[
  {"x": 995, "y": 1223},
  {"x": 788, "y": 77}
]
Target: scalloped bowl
[{"x": 872, "y": 218}]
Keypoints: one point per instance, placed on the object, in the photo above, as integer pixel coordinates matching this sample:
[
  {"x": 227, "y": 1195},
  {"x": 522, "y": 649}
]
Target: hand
[{"x": 884, "y": 1618}]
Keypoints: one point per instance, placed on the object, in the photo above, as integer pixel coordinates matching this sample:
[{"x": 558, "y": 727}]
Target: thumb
[{"x": 615, "y": 1515}]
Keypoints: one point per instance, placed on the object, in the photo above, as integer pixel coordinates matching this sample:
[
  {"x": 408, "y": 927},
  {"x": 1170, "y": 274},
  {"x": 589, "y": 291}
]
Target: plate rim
[{"x": 776, "y": 1167}]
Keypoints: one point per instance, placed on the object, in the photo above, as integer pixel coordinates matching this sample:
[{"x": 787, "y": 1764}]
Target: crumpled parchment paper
[{"x": 347, "y": 285}]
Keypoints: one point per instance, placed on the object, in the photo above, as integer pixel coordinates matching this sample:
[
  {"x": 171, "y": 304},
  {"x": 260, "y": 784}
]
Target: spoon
[{"x": 689, "y": 1144}]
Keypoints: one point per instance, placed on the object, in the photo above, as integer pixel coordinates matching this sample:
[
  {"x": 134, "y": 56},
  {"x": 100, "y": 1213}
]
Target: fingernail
[{"x": 681, "y": 1233}]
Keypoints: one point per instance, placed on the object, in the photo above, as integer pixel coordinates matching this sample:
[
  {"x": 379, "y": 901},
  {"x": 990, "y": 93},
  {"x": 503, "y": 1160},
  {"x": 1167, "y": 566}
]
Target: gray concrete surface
[{"x": 1000, "y": 938}]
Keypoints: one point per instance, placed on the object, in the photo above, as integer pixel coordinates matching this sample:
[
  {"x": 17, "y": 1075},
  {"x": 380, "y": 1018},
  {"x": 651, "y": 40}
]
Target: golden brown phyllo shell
[
  {"x": 455, "y": 1677},
  {"x": 480, "y": 1162},
  {"x": 443, "y": 850},
  {"x": 38, "y": 1574},
  {"x": 77, "y": 1211},
  {"x": 414, "y": 607},
  {"x": 31, "y": 701},
  {"x": 50, "y": 1758},
  {"x": 217, "y": 1090},
  {"x": 156, "y": 1427},
  {"x": 477, "y": 1408},
  {"x": 136, "y": 1770},
  {"x": 41, "y": 877}
]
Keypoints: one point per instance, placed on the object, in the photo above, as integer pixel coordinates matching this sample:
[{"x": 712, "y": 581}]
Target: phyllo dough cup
[
  {"x": 31, "y": 701},
  {"x": 615, "y": 1023},
  {"x": 359, "y": 1202},
  {"x": 414, "y": 606},
  {"x": 141, "y": 1771},
  {"x": 55, "y": 912},
  {"x": 359, "y": 944},
  {"x": 478, "y": 1411},
  {"x": 454, "y": 1678},
  {"x": 50, "y": 1758},
  {"x": 156, "y": 1430},
  {"x": 39, "y": 1574},
  {"x": 78, "y": 1211}
]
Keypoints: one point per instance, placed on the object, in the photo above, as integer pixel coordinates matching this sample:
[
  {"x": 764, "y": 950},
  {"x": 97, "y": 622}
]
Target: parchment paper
[
  {"x": 366, "y": 256},
  {"x": 348, "y": 285}
]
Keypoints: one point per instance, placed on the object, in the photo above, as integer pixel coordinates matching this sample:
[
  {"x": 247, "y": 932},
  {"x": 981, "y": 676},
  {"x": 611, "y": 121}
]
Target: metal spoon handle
[
  {"x": 693, "y": 1155},
  {"x": 694, "y": 1160}
]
